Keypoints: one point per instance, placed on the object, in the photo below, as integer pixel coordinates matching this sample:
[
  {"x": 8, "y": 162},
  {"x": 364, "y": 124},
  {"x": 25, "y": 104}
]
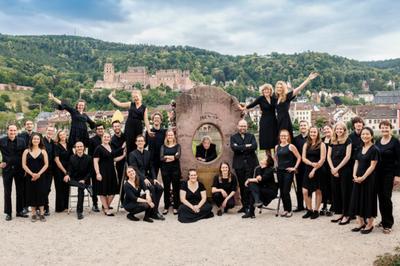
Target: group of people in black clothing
[{"x": 347, "y": 171}]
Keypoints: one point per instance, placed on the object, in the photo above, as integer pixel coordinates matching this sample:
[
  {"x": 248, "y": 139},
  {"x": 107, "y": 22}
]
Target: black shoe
[
  {"x": 328, "y": 213},
  {"x": 243, "y": 209},
  {"x": 8, "y": 217},
  {"x": 111, "y": 208},
  {"x": 147, "y": 219},
  {"x": 337, "y": 220},
  {"x": 299, "y": 210},
  {"x": 47, "y": 212},
  {"x": 314, "y": 215},
  {"x": 158, "y": 216},
  {"x": 90, "y": 190},
  {"x": 358, "y": 229},
  {"x": 367, "y": 231},
  {"x": 249, "y": 215},
  {"x": 322, "y": 212},
  {"x": 132, "y": 217},
  {"x": 219, "y": 212},
  {"x": 79, "y": 215},
  {"x": 258, "y": 204},
  {"x": 225, "y": 210},
  {"x": 95, "y": 208},
  {"x": 22, "y": 215},
  {"x": 308, "y": 214},
  {"x": 42, "y": 218},
  {"x": 344, "y": 223}
]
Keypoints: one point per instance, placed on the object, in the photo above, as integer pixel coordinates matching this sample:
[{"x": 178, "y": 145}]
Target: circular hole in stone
[{"x": 207, "y": 143}]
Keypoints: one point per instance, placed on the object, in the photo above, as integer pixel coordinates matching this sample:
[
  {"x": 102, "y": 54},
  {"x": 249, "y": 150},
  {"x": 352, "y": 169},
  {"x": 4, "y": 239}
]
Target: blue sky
[{"x": 363, "y": 30}]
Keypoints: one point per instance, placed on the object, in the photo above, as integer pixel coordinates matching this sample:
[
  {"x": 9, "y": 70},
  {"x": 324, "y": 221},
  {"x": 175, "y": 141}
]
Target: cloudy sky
[{"x": 363, "y": 30}]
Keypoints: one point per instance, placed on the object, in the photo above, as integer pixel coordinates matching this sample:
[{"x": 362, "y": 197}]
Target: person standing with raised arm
[
  {"x": 79, "y": 121},
  {"x": 137, "y": 114},
  {"x": 283, "y": 100}
]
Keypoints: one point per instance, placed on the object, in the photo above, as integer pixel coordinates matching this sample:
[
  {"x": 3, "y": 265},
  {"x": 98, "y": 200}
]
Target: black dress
[
  {"x": 342, "y": 186},
  {"x": 282, "y": 111},
  {"x": 108, "y": 186},
  {"x": 36, "y": 190},
  {"x": 134, "y": 125},
  {"x": 268, "y": 123},
  {"x": 228, "y": 187},
  {"x": 62, "y": 188},
  {"x": 364, "y": 197},
  {"x": 78, "y": 131},
  {"x": 171, "y": 174},
  {"x": 187, "y": 215},
  {"x": 313, "y": 184}
]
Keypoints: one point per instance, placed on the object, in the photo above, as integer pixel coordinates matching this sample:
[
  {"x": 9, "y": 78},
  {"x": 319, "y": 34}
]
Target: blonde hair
[
  {"x": 266, "y": 86},
  {"x": 335, "y": 139},
  {"x": 139, "y": 93},
  {"x": 282, "y": 97},
  {"x": 166, "y": 137},
  {"x": 206, "y": 137}
]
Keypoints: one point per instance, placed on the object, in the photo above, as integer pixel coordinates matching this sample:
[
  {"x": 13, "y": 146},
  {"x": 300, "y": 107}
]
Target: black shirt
[
  {"x": 194, "y": 198},
  {"x": 356, "y": 144},
  {"x": 117, "y": 142},
  {"x": 170, "y": 151},
  {"x": 339, "y": 152},
  {"x": 389, "y": 165},
  {"x": 267, "y": 177},
  {"x": 286, "y": 157},
  {"x": 80, "y": 167},
  {"x": 207, "y": 154},
  {"x": 364, "y": 160},
  {"x": 132, "y": 194},
  {"x": 299, "y": 142},
  {"x": 155, "y": 143},
  {"x": 225, "y": 184},
  {"x": 142, "y": 162},
  {"x": 11, "y": 151}
]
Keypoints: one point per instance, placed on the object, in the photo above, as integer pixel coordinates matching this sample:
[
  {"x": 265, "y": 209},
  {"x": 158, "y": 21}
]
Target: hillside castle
[{"x": 173, "y": 78}]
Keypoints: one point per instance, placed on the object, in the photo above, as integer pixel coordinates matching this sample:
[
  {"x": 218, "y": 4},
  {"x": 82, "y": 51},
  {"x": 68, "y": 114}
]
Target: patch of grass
[
  {"x": 15, "y": 96},
  {"x": 389, "y": 259}
]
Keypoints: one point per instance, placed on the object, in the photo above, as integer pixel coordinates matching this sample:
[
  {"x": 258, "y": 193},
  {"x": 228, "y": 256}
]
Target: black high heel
[
  {"x": 336, "y": 220},
  {"x": 358, "y": 229},
  {"x": 344, "y": 223},
  {"x": 367, "y": 231}
]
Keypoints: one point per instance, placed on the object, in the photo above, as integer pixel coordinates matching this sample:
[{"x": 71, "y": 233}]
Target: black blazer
[
  {"x": 13, "y": 161},
  {"x": 209, "y": 154},
  {"x": 142, "y": 162},
  {"x": 243, "y": 155}
]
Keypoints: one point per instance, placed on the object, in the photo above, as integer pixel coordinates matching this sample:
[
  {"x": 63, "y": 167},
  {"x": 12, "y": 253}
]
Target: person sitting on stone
[
  {"x": 263, "y": 188},
  {"x": 206, "y": 151}
]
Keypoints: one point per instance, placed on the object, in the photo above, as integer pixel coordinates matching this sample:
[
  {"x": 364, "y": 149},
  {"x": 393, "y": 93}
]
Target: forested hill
[{"x": 64, "y": 64}]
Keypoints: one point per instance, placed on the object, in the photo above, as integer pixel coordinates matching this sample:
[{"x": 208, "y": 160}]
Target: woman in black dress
[
  {"x": 170, "y": 153},
  {"x": 339, "y": 154},
  {"x": 268, "y": 130},
  {"x": 326, "y": 176},
  {"x": 262, "y": 186},
  {"x": 137, "y": 113},
  {"x": 283, "y": 100},
  {"x": 133, "y": 202},
  {"x": 364, "y": 198},
  {"x": 194, "y": 200},
  {"x": 79, "y": 119},
  {"x": 35, "y": 163},
  {"x": 224, "y": 188},
  {"x": 388, "y": 171},
  {"x": 288, "y": 159},
  {"x": 61, "y": 157},
  {"x": 313, "y": 155},
  {"x": 103, "y": 162}
]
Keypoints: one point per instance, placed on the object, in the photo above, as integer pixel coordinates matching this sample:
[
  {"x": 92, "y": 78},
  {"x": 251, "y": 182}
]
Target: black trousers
[
  {"x": 49, "y": 180},
  {"x": 81, "y": 193},
  {"x": 62, "y": 192},
  {"x": 95, "y": 200},
  {"x": 261, "y": 194},
  {"x": 385, "y": 187},
  {"x": 120, "y": 173},
  {"x": 19, "y": 179},
  {"x": 171, "y": 176},
  {"x": 156, "y": 192},
  {"x": 242, "y": 175},
  {"x": 342, "y": 188},
  {"x": 218, "y": 199},
  {"x": 299, "y": 184},
  {"x": 138, "y": 208},
  {"x": 156, "y": 164},
  {"x": 285, "y": 180}
]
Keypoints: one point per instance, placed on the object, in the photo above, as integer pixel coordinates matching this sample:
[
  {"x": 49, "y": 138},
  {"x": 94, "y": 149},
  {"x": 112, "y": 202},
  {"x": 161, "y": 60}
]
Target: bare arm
[
  {"x": 370, "y": 169},
  {"x": 296, "y": 153},
  {"x": 182, "y": 195},
  {"x": 46, "y": 163},
  {"x": 147, "y": 123},
  {"x": 203, "y": 199},
  {"x": 24, "y": 166},
  {"x": 96, "y": 166},
  {"x": 118, "y": 103},
  {"x": 355, "y": 170},
  {"x": 310, "y": 77},
  {"x": 329, "y": 157},
  {"x": 304, "y": 157},
  {"x": 322, "y": 156},
  {"x": 54, "y": 99}
]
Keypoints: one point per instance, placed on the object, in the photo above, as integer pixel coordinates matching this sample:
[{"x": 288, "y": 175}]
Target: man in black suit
[
  {"x": 94, "y": 142},
  {"x": 11, "y": 148},
  {"x": 26, "y": 135},
  {"x": 299, "y": 142},
  {"x": 244, "y": 147},
  {"x": 206, "y": 151},
  {"x": 49, "y": 145},
  {"x": 140, "y": 159}
]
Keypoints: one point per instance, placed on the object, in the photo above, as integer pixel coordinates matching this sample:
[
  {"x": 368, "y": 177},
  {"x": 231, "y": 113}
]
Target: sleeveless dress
[
  {"x": 313, "y": 184},
  {"x": 134, "y": 125},
  {"x": 109, "y": 184},
  {"x": 36, "y": 190},
  {"x": 282, "y": 111}
]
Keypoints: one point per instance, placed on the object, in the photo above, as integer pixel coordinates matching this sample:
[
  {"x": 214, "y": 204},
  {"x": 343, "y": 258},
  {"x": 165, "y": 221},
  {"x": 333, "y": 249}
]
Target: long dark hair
[
  {"x": 220, "y": 172},
  {"x": 370, "y": 132},
  {"x": 137, "y": 181},
  {"x": 309, "y": 140},
  {"x": 41, "y": 145}
]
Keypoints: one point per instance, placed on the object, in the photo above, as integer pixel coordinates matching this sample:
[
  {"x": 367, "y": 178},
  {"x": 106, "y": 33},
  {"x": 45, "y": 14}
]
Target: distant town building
[
  {"x": 387, "y": 97},
  {"x": 367, "y": 97},
  {"x": 301, "y": 111},
  {"x": 373, "y": 118},
  {"x": 174, "y": 78},
  {"x": 365, "y": 86}
]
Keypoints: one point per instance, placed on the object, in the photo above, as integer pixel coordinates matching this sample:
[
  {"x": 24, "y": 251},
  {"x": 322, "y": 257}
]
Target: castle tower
[{"x": 109, "y": 73}]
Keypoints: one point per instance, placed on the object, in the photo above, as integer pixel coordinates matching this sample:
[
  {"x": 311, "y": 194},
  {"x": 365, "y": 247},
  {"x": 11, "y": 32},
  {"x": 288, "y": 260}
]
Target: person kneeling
[
  {"x": 194, "y": 200},
  {"x": 79, "y": 174},
  {"x": 224, "y": 188},
  {"x": 133, "y": 202},
  {"x": 263, "y": 187}
]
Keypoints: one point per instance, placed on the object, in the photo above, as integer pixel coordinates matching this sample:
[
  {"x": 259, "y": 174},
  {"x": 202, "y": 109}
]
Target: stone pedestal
[{"x": 205, "y": 105}]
